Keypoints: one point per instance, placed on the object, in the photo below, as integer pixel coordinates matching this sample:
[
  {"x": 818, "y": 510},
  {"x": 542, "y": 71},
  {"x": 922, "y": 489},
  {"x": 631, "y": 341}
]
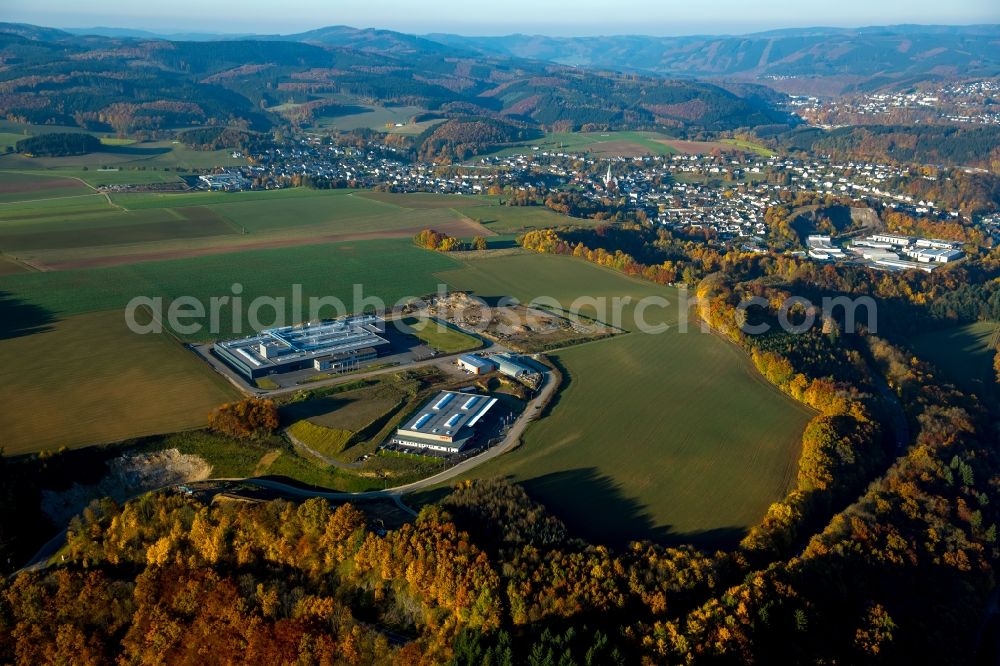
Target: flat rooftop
[
  {"x": 278, "y": 346},
  {"x": 476, "y": 361},
  {"x": 446, "y": 414}
]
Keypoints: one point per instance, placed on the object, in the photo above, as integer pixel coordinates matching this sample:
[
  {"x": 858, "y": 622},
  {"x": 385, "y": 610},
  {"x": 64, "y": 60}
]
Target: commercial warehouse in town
[
  {"x": 336, "y": 345},
  {"x": 446, "y": 423}
]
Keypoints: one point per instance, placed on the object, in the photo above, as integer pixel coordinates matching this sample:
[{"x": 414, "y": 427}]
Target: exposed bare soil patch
[{"x": 128, "y": 475}]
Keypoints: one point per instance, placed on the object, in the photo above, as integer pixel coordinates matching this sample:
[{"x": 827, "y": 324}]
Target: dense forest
[
  {"x": 59, "y": 144},
  {"x": 148, "y": 86},
  {"x": 489, "y": 577},
  {"x": 461, "y": 138},
  {"x": 216, "y": 138}
]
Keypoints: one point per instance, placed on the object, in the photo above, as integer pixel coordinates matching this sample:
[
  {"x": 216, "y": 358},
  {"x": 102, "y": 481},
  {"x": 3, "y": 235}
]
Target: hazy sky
[{"x": 554, "y": 17}]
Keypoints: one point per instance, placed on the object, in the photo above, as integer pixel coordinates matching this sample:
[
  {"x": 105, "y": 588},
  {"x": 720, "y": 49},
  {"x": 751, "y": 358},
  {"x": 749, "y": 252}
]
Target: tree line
[{"x": 58, "y": 144}]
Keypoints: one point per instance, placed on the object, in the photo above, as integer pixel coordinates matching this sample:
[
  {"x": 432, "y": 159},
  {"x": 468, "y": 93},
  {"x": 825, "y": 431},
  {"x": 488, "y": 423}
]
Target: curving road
[{"x": 511, "y": 440}]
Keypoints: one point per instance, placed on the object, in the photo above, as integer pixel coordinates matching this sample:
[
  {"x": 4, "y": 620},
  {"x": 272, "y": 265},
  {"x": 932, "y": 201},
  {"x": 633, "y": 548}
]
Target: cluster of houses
[
  {"x": 969, "y": 102},
  {"x": 887, "y": 251},
  {"x": 374, "y": 165},
  {"x": 675, "y": 191}
]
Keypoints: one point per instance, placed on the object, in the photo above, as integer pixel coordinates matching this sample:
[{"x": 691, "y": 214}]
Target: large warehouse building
[
  {"x": 330, "y": 345},
  {"x": 445, "y": 423}
]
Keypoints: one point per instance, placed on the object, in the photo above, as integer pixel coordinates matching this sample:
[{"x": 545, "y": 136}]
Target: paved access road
[
  {"x": 513, "y": 437},
  {"x": 511, "y": 440}
]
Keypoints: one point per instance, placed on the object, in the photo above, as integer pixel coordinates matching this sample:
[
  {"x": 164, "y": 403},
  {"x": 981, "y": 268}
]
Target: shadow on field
[
  {"x": 18, "y": 318},
  {"x": 501, "y": 243},
  {"x": 594, "y": 508},
  {"x": 961, "y": 358},
  {"x": 307, "y": 409},
  {"x": 134, "y": 151}
]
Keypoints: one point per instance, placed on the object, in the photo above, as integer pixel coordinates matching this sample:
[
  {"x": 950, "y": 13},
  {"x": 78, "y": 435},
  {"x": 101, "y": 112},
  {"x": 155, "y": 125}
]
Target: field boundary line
[
  {"x": 69, "y": 196},
  {"x": 31, "y": 268}
]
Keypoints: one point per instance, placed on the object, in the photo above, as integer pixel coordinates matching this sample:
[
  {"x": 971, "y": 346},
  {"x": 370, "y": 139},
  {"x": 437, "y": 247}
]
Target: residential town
[
  {"x": 723, "y": 196},
  {"x": 971, "y": 102}
]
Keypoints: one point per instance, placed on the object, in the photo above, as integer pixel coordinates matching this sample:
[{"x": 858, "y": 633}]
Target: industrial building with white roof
[
  {"x": 445, "y": 423},
  {"x": 328, "y": 345}
]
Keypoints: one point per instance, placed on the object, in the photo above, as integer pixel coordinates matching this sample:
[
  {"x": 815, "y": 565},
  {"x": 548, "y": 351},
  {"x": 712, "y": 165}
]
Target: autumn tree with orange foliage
[
  {"x": 246, "y": 419},
  {"x": 429, "y": 239}
]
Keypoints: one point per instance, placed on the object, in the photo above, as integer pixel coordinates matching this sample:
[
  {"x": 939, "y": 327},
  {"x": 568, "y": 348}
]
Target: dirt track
[{"x": 457, "y": 227}]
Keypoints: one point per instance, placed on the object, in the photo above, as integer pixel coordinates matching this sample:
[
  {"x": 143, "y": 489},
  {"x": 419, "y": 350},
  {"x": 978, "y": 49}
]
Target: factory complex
[
  {"x": 336, "y": 345},
  {"x": 445, "y": 423},
  {"x": 888, "y": 251}
]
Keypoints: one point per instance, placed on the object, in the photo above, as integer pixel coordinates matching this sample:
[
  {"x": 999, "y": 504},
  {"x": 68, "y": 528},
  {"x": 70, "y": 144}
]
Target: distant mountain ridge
[
  {"x": 823, "y": 60},
  {"x": 846, "y": 58},
  {"x": 138, "y": 83}
]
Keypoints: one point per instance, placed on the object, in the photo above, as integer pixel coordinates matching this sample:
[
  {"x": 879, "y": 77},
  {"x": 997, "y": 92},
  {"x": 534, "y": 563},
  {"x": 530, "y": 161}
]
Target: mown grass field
[
  {"x": 671, "y": 435},
  {"x": 963, "y": 355},
  {"x": 88, "y": 379}
]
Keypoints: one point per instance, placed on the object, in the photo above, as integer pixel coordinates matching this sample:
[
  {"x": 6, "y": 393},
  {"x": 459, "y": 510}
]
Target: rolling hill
[
  {"x": 127, "y": 84},
  {"x": 828, "y": 60}
]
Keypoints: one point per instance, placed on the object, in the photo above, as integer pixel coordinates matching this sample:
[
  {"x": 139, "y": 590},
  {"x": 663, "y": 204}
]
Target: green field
[
  {"x": 672, "y": 436},
  {"x": 10, "y": 267},
  {"x": 88, "y": 379},
  {"x": 20, "y": 187},
  {"x": 963, "y": 355},
  {"x": 9, "y": 140},
  {"x": 629, "y": 144},
  {"x": 751, "y": 146},
  {"x": 327, "y": 441},
  {"x": 388, "y": 269},
  {"x": 418, "y": 200},
  {"x": 441, "y": 336},
  {"x": 518, "y": 219},
  {"x": 124, "y": 154},
  {"x": 112, "y": 228},
  {"x": 382, "y": 118},
  {"x": 482, "y": 209},
  {"x": 81, "y": 229}
]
